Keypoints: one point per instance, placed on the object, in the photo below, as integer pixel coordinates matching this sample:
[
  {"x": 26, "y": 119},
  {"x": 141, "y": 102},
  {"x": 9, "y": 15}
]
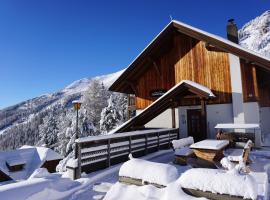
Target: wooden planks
[
  {"x": 208, "y": 68},
  {"x": 249, "y": 81},
  {"x": 188, "y": 59},
  {"x": 263, "y": 80},
  {"x": 109, "y": 150}
]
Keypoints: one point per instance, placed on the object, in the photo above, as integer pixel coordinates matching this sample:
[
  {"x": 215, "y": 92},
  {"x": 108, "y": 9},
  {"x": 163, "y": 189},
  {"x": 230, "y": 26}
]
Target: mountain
[
  {"x": 22, "y": 112},
  {"x": 255, "y": 35}
]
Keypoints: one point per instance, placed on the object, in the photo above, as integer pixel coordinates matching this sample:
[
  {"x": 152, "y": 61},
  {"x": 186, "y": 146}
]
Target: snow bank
[
  {"x": 73, "y": 163},
  {"x": 227, "y": 164},
  {"x": 121, "y": 191},
  {"x": 219, "y": 181},
  {"x": 147, "y": 171},
  {"x": 102, "y": 187},
  {"x": 40, "y": 173},
  {"x": 177, "y": 144},
  {"x": 22, "y": 190}
]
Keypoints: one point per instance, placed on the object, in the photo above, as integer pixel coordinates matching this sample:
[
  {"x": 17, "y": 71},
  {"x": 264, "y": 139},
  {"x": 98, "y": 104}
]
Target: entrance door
[{"x": 195, "y": 125}]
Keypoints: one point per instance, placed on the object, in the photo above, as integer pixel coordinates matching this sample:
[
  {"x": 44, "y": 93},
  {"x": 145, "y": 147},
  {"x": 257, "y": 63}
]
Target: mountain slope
[
  {"x": 21, "y": 112},
  {"x": 255, "y": 35}
]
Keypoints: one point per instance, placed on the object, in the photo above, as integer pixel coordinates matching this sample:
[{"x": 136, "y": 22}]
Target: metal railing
[{"x": 98, "y": 152}]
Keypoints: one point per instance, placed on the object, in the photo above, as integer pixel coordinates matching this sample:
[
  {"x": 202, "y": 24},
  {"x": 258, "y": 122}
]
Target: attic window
[{"x": 15, "y": 163}]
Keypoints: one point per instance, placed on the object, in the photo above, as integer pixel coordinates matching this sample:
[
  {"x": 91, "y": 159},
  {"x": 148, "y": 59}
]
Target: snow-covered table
[{"x": 209, "y": 149}]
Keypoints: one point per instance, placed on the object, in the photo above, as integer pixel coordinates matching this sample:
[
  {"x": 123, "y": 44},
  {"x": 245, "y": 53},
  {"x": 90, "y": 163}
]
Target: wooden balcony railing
[{"x": 98, "y": 152}]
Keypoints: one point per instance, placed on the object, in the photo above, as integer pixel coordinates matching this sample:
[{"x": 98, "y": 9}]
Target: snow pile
[
  {"x": 40, "y": 173},
  {"x": 219, "y": 181},
  {"x": 227, "y": 164},
  {"x": 255, "y": 35},
  {"x": 121, "y": 191},
  {"x": 157, "y": 173},
  {"x": 177, "y": 144},
  {"x": 235, "y": 158},
  {"x": 102, "y": 187},
  {"x": 73, "y": 163}
]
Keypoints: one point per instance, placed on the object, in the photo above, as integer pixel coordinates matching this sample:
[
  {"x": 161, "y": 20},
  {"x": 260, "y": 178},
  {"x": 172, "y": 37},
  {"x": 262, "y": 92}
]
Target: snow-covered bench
[
  {"x": 182, "y": 150},
  {"x": 240, "y": 155},
  {"x": 219, "y": 184},
  {"x": 143, "y": 172}
]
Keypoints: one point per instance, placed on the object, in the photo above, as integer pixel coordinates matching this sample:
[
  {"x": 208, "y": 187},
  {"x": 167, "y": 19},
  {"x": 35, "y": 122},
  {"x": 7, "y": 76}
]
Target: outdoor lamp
[{"x": 77, "y": 104}]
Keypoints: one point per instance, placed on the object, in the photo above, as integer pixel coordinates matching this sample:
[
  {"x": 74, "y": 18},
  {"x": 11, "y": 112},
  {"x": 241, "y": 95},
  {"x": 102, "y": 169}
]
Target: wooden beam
[
  {"x": 255, "y": 82},
  {"x": 211, "y": 47},
  {"x": 191, "y": 97},
  {"x": 132, "y": 86}
]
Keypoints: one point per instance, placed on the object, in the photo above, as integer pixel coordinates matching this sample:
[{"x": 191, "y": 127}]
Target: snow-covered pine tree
[
  {"x": 115, "y": 113},
  {"x": 48, "y": 131},
  {"x": 94, "y": 100}
]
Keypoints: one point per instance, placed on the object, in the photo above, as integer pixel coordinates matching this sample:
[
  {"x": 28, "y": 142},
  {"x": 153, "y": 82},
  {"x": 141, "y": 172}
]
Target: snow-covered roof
[
  {"x": 183, "y": 84},
  {"x": 213, "y": 39},
  {"x": 221, "y": 39},
  {"x": 31, "y": 157},
  {"x": 16, "y": 159},
  {"x": 237, "y": 126}
]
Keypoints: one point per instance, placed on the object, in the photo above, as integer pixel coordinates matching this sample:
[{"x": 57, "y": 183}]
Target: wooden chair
[
  {"x": 184, "y": 152},
  {"x": 244, "y": 155}
]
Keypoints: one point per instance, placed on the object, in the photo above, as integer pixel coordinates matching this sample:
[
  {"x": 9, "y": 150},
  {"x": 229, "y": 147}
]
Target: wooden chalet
[
  {"x": 19, "y": 164},
  {"x": 157, "y": 83}
]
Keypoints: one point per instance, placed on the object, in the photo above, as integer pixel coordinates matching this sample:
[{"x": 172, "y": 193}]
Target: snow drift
[{"x": 150, "y": 172}]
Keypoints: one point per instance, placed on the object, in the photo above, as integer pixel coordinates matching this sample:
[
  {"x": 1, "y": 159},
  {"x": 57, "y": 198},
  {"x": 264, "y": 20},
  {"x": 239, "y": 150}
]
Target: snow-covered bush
[{"x": 115, "y": 113}]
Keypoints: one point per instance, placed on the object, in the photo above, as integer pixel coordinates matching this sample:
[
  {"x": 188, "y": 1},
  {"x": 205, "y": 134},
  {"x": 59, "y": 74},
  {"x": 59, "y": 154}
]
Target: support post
[
  {"x": 158, "y": 145},
  {"x": 146, "y": 144},
  {"x": 109, "y": 153},
  {"x": 204, "y": 120},
  {"x": 173, "y": 118},
  {"x": 169, "y": 139},
  {"x": 79, "y": 160},
  {"x": 129, "y": 144}
]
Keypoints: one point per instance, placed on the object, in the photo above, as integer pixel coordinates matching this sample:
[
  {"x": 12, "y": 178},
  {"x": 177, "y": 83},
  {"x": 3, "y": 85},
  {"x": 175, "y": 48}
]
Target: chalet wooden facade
[{"x": 239, "y": 79}]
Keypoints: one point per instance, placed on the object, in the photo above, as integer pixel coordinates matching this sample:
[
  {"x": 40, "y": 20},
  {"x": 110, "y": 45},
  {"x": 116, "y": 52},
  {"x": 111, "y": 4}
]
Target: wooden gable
[
  {"x": 187, "y": 59},
  {"x": 181, "y": 52}
]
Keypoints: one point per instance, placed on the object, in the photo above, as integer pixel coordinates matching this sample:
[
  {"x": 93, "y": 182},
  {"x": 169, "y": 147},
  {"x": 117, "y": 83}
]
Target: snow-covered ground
[
  {"x": 43, "y": 186},
  {"x": 57, "y": 186}
]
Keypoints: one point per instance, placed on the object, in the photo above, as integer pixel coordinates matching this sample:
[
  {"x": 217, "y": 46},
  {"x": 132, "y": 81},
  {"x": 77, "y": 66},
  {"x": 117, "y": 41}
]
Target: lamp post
[{"x": 77, "y": 105}]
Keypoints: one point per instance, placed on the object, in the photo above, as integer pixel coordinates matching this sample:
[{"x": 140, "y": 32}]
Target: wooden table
[{"x": 210, "y": 149}]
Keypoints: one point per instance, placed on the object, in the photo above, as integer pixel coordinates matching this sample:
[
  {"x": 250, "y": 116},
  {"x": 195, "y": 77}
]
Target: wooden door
[{"x": 195, "y": 125}]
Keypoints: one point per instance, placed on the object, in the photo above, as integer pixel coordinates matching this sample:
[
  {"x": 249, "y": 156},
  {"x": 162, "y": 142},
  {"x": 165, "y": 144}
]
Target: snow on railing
[{"x": 101, "y": 151}]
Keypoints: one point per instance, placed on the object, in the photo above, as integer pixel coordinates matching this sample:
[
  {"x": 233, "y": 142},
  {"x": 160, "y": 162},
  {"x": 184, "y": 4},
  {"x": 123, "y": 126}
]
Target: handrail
[
  {"x": 107, "y": 149},
  {"x": 121, "y": 135}
]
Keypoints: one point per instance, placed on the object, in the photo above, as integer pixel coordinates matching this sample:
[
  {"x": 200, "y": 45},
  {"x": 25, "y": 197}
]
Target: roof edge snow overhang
[
  {"x": 164, "y": 102},
  {"x": 217, "y": 41}
]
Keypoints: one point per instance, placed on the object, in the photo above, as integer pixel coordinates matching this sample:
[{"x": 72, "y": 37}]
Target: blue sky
[{"x": 45, "y": 45}]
